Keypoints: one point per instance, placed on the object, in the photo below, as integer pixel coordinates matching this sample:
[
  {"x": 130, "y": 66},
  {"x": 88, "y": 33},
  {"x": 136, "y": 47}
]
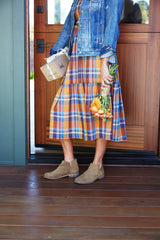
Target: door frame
[
  {"x": 122, "y": 28},
  {"x": 27, "y": 43}
]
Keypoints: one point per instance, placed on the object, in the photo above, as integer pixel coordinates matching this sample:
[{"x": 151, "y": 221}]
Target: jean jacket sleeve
[
  {"x": 64, "y": 37},
  {"x": 111, "y": 33}
]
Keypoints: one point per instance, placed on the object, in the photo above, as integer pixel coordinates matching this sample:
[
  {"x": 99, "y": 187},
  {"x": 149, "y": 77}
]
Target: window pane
[
  {"x": 136, "y": 11},
  {"x": 58, "y": 11}
]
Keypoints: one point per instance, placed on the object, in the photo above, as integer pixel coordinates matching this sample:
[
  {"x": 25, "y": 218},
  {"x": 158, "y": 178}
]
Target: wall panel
[{"x": 12, "y": 82}]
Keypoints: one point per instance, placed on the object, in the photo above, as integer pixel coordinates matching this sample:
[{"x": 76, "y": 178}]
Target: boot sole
[
  {"x": 73, "y": 175},
  {"x": 101, "y": 177},
  {"x": 68, "y": 175}
]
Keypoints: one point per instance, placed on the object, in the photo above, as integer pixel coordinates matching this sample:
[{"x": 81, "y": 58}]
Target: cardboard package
[{"x": 56, "y": 65}]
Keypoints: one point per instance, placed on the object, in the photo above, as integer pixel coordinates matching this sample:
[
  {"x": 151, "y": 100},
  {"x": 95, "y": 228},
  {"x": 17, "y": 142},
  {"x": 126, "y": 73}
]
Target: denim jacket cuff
[
  {"x": 52, "y": 52},
  {"x": 108, "y": 54},
  {"x": 106, "y": 49},
  {"x": 112, "y": 56}
]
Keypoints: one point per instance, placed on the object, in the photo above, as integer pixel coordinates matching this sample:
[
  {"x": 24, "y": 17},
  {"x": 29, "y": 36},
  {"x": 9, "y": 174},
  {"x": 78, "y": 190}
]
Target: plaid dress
[{"x": 70, "y": 115}]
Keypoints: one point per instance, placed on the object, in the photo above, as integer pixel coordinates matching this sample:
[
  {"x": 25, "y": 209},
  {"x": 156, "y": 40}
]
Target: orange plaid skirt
[{"x": 70, "y": 115}]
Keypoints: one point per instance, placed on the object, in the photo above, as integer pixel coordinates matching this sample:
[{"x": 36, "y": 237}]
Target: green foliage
[
  {"x": 32, "y": 75},
  {"x": 112, "y": 70},
  {"x": 32, "y": 33},
  {"x": 144, "y": 10},
  {"x": 105, "y": 101}
]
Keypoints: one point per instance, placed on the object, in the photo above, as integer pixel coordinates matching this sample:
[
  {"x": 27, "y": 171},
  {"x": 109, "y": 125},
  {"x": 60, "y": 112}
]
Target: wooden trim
[
  {"x": 151, "y": 123},
  {"x": 159, "y": 132},
  {"x": 86, "y": 154},
  {"x": 27, "y": 76}
]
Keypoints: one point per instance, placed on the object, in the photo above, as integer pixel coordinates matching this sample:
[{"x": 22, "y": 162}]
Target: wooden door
[{"x": 138, "y": 57}]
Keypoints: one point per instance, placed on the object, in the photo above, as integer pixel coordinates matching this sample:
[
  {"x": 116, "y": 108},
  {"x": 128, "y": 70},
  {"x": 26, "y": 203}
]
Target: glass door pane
[
  {"x": 136, "y": 11},
  {"x": 58, "y": 11}
]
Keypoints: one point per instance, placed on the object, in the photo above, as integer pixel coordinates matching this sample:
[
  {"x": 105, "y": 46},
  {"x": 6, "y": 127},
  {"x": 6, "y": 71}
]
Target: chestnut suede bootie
[
  {"x": 65, "y": 169},
  {"x": 93, "y": 173}
]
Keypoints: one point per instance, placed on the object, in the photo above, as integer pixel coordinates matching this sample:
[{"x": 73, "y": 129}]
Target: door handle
[{"x": 41, "y": 46}]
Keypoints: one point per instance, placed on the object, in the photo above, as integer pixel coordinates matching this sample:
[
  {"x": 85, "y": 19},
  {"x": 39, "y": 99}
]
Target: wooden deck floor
[{"x": 124, "y": 205}]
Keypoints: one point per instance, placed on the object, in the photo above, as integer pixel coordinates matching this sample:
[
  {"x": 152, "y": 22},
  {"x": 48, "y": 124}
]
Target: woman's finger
[
  {"x": 107, "y": 77},
  {"x": 105, "y": 82},
  {"x": 108, "y": 82}
]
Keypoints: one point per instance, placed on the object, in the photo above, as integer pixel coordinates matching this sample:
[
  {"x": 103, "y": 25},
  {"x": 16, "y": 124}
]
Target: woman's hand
[{"x": 106, "y": 78}]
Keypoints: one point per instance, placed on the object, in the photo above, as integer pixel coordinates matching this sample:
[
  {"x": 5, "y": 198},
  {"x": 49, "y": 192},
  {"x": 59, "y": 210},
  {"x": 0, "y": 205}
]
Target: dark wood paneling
[
  {"x": 152, "y": 93},
  {"x": 133, "y": 80},
  {"x": 159, "y": 129},
  {"x": 138, "y": 59}
]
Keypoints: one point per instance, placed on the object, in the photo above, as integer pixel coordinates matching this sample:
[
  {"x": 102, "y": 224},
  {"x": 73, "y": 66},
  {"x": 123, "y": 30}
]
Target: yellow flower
[{"x": 96, "y": 102}]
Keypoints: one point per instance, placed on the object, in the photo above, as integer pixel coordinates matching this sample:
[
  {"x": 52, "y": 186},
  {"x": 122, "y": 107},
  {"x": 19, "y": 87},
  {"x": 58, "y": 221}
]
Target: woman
[{"x": 90, "y": 31}]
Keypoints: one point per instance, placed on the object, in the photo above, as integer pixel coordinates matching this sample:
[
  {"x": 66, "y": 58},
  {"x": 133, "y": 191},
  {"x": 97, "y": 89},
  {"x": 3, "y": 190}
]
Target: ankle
[
  {"x": 98, "y": 163},
  {"x": 69, "y": 160}
]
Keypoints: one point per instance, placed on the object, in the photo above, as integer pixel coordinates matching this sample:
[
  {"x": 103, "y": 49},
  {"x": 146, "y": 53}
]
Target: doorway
[{"x": 138, "y": 40}]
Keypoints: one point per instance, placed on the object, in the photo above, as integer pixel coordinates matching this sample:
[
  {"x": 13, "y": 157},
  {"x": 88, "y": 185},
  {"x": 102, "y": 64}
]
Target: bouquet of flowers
[{"x": 101, "y": 106}]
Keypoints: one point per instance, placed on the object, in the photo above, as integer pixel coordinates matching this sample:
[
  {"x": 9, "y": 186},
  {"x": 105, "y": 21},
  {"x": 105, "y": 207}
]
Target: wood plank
[
  {"x": 81, "y": 193},
  {"x": 70, "y": 201},
  {"x": 99, "y": 185},
  {"x": 64, "y": 221},
  {"x": 5, "y": 179},
  {"x": 82, "y": 211},
  {"x": 34, "y": 208},
  {"x": 32, "y": 171},
  {"x": 79, "y": 233}
]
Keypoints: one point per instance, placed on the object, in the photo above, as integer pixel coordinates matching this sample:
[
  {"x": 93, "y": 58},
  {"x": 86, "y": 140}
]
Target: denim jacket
[{"x": 98, "y": 28}]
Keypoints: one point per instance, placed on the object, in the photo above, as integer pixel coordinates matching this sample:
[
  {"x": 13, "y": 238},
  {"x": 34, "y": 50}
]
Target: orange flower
[
  {"x": 97, "y": 115},
  {"x": 101, "y": 116},
  {"x": 101, "y": 112},
  {"x": 110, "y": 116},
  {"x": 94, "y": 109},
  {"x": 107, "y": 112}
]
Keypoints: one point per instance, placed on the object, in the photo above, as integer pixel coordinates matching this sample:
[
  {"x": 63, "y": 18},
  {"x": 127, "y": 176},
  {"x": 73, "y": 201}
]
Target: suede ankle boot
[
  {"x": 65, "y": 169},
  {"x": 93, "y": 173}
]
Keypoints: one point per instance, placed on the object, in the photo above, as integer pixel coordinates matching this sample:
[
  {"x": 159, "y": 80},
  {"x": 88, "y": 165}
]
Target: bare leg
[
  {"x": 101, "y": 145},
  {"x": 67, "y": 149},
  {"x": 95, "y": 170},
  {"x": 68, "y": 167}
]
